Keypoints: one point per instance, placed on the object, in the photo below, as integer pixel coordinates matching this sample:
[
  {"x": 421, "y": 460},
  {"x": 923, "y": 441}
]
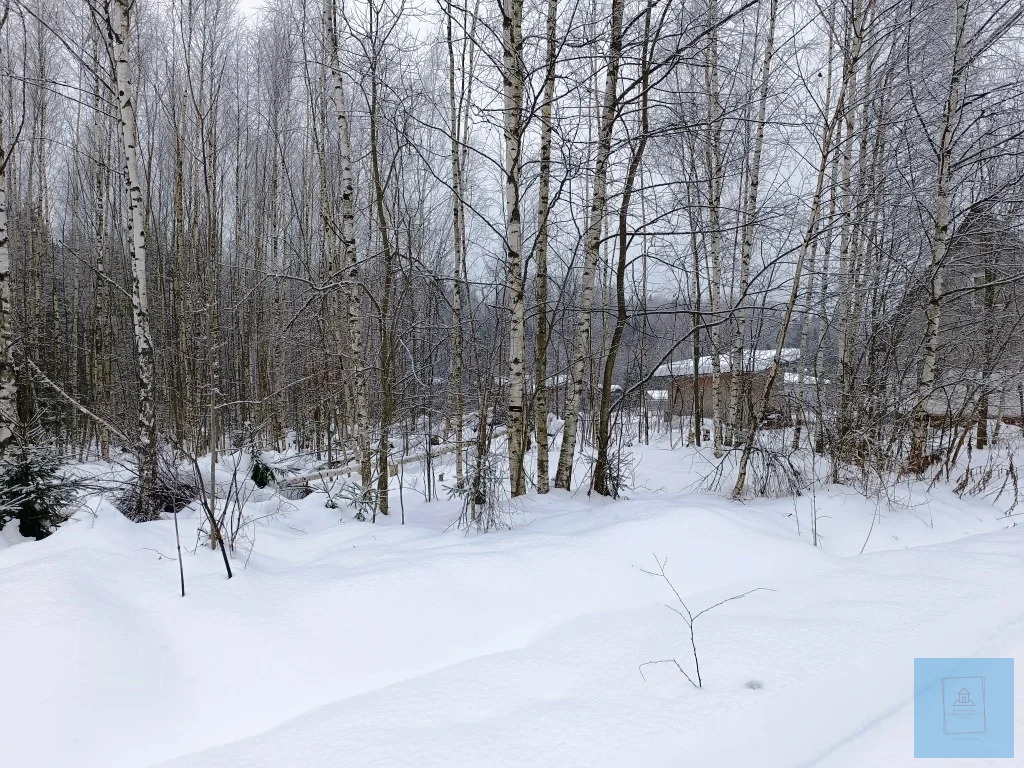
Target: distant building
[
  {"x": 680, "y": 379},
  {"x": 656, "y": 401},
  {"x": 981, "y": 342}
]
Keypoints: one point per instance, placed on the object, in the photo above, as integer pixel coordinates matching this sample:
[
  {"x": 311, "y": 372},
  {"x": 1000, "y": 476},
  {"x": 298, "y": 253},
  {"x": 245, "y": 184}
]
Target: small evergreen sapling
[
  {"x": 33, "y": 491},
  {"x": 261, "y": 473},
  {"x": 363, "y": 500}
]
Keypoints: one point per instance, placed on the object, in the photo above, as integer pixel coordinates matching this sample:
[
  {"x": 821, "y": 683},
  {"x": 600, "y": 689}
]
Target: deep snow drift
[{"x": 346, "y": 643}]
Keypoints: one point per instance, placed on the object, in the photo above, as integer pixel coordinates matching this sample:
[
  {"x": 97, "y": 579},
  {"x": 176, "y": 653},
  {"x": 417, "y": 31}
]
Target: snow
[
  {"x": 792, "y": 377},
  {"x": 389, "y": 645},
  {"x": 10, "y": 535}
]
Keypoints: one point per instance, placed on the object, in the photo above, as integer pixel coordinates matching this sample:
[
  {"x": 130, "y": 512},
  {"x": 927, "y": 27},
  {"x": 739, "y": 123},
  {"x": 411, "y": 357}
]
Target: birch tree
[
  {"x": 750, "y": 215},
  {"x": 541, "y": 277},
  {"x": 605, "y": 483},
  {"x": 100, "y": 364},
  {"x": 810, "y": 235},
  {"x": 348, "y": 244},
  {"x": 940, "y": 237},
  {"x": 512, "y": 81},
  {"x": 714, "y": 169},
  {"x": 592, "y": 245},
  {"x": 119, "y": 32},
  {"x": 8, "y": 382}
]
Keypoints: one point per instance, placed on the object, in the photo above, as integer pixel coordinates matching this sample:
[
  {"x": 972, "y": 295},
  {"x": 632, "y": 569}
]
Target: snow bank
[{"x": 386, "y": 645}]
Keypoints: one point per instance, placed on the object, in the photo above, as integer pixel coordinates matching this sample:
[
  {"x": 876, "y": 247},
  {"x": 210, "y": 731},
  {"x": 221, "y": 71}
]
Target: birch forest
[{"x": 500, "y": 241}]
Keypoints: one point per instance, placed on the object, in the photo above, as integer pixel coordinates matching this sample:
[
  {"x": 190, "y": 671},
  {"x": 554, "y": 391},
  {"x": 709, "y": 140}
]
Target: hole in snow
[{"x": 753, "y": 685}]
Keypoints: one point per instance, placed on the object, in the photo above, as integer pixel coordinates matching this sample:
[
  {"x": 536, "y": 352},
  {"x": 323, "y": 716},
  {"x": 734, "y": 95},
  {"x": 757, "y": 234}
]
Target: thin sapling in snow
[
  {"x": 485, "y": 501},
  {"x": 690, "y": 618}
]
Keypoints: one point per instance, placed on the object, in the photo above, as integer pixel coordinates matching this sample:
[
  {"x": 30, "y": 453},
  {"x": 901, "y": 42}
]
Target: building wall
[{"x": 681, "y": 394}]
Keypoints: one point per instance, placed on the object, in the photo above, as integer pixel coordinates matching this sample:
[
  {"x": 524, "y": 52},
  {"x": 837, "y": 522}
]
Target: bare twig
[
  {"x": 689, "y": 618},
  {"x": 181, "y": 565}
]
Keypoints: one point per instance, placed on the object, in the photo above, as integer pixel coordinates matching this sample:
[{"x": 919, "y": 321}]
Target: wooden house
[{"x": 682, "y": 383}]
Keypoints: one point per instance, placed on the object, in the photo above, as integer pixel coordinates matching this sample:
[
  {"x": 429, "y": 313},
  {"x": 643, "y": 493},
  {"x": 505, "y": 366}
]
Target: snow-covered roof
[
  {"x": 754, "y": 360},
  {"x": 792, "y": 377},
  {"x": 657, "y": 394}
]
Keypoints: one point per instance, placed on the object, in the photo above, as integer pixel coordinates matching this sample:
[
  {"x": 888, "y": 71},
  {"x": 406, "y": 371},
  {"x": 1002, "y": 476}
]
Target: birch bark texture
[
  {"x": 8, "y": 378},
  {"x": 541, "y": 279},
  {"x": 455, "y": 369},
  {"x": 750, "y": 214},
  {"x": 354, "y": 319},
  {"x": 512, "y": 77},
  {"x": 8, "y": 382},
  {"x": 714, "y": 169},
  {"x": 119, "y": 32},
  {"x": 581, "y": 343},
  {"x": 940, "y": 242}
]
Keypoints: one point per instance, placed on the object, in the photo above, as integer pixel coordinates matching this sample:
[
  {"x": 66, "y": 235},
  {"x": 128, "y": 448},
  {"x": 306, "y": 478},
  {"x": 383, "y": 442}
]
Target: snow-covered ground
[{"x": 389, "y": 645}]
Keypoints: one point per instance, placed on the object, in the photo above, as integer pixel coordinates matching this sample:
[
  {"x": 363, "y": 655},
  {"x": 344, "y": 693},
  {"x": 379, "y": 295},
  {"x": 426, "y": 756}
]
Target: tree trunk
[
  {"x": 810, "y": 236},
  {"x": 715, "y": 170},
  {"x": 348, "y": 241},
  {"x": 455, "y": 367},
  {"x": 100, "y": 373},
  {"x": 940, "y": 241},
  {"x": 541, "y": 282},
  {"x": 8, "y": 381},
  {"x": 512, "y": 72},
  {"x": 119, "y": 32},
  {"x": 749, "y": 226},
  {"x": 603, "y": 477},
  {"x": 581, "y": 344}
]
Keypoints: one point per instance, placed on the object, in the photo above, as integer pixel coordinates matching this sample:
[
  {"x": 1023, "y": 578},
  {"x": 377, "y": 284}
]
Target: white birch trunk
[
  {"x": 512, "y": 44},
  {"x": 809, "y": 296},
  {"x": 541, "y": 286},
  {"x": 348, "y": 238},
  {"x": 455, "y": 364},
  {"x": 749, "y": 227},
  {"x": 119, "y": 30},
  {"x": 581, "y": 344},
  {"x": 8, "y": 383},
  {"x": 101, "y": 368},
  {"x": 940, "y": 242},
  {"x": 715, "y": 170},
  {"x": 846, "y": 283},
  {"x": 8, "y": 379}
]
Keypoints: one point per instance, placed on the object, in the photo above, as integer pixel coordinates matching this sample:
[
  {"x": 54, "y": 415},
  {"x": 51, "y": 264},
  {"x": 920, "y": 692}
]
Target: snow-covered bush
[{"x": 175, "y": 489}]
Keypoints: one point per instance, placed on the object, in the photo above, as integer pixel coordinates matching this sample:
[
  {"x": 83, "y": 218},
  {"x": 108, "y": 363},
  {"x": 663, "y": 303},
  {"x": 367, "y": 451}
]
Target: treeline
[{"x": 361, "y": 230}]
